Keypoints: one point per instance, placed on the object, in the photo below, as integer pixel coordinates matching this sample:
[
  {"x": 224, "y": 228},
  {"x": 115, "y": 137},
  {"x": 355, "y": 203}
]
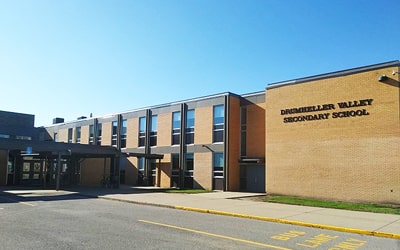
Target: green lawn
[{"x": 375, "y": 208}]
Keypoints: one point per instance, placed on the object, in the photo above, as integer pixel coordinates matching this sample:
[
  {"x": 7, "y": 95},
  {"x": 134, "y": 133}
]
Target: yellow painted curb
[{"x": 291, "y": 222}]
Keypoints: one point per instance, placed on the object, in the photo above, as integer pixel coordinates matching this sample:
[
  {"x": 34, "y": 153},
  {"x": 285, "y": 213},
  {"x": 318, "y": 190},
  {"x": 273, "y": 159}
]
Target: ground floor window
[{"x": 189, "y": 169}]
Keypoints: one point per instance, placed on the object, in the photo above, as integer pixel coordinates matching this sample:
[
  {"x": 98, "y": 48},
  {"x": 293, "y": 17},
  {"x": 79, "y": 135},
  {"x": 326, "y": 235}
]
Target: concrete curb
[
  {"x": 254, "y": 217},
  {"x": 291, "y": 222}
]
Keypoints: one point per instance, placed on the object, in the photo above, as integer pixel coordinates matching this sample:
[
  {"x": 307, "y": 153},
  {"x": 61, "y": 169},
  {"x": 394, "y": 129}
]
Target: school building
[{"x": 332, "y": 136}]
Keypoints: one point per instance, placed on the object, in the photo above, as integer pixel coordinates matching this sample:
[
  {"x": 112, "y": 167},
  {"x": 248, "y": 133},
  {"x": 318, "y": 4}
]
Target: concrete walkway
[{"x": 237, "y": 204}]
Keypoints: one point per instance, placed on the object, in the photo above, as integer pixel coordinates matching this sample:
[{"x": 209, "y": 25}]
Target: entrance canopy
[{"x": 50, "y": 147}]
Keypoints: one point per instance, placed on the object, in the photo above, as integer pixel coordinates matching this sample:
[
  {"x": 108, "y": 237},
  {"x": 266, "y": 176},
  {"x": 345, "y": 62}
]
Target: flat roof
[
  {"x": 335, "y": 74},
  {"x": 59, "y": 147}
]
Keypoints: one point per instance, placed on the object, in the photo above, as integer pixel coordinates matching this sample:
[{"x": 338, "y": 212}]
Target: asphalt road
[{"x": 50, "y": 221}]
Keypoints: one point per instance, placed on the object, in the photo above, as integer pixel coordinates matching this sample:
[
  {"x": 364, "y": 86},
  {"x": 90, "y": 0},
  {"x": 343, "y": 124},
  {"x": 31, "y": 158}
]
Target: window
[
  {"x": 123, "y": 133},
  {"x": 70, "y": 135},
  {"x": 153, "y": 130},
  {"x": 175, "y": 170},
  {"x": 142, "y": 131},
  {"x": 91, "y": 134},
  {"x": 189, "y": 165},
  {"x": 189, "y": 169},
  {"x": 218, "y": 128},
  {"x": 141, "y": 164},
  {"x": 23, "y": 137},
  {"x": 114, "y": 134},
  {"x": 3, "y": 136},
  {"x": 176, "y": 128},
  {"x": 190, "y": 127},
  {"x": 218, "y": 168},
  {"x": 243, "y": 129},
  {"x": 55, "y": 137},
  {"x": 78, "y": 134},
  {"x": 98, "y": 133}
]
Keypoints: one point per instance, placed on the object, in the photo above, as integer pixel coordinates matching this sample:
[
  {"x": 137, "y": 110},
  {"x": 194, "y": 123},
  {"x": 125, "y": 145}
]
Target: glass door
[{"x": 31, "y": 172}]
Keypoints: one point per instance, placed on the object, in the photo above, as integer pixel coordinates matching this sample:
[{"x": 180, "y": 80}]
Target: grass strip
[{"x": 365, "y": 207}]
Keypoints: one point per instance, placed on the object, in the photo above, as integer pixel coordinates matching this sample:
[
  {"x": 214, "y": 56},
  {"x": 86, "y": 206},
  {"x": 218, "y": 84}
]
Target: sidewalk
[{"x": 234, "y": 204}]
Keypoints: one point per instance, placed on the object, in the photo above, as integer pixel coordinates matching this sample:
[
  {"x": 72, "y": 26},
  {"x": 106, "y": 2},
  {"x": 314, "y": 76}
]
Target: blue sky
[{"x": 70, "y": 58}]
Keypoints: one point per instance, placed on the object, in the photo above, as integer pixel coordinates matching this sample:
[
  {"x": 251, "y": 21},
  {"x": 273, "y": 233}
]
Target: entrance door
[
  {"x": 31, "y": 172},
  {"x": 255, "y": 178}
]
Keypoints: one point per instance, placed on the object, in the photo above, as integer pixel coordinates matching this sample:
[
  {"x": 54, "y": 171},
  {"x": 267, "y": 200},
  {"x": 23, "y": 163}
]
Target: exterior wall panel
[
  {"x": 85, "y": 135},
  {"x": 255, "y": 130},
  {"x": 203, "y": 125},
  {"x": 94, "y": 170},
  {"x": 106, "y": 133},
  {"x": 203, "y": 170},
  {"x": 234, "y": 144},
  {"x": 351, "y": 158},
  {"x": 164, "y": 129},
  {"x": 132, "y": 133}
]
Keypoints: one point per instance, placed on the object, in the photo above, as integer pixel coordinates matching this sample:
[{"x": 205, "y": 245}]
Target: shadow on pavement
[{"x": 16, "y": 194}]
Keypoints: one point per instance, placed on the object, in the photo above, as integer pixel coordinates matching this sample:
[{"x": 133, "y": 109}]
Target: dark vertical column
[
  {"x": 226, "y": 143},
  {"x": 58, "y": 171},
  {"x": 147, "y": 167},
  {"x": 182, "y": 146}
]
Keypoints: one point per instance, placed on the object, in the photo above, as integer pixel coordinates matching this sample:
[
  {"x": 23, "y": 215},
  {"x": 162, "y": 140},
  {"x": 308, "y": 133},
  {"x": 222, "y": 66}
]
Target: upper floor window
[
  {"x": 153, "y": 130},
  {"x": 78, "y": 134},
  {"x": 190, "y": 127},
  {"x": 243, "y": 131},
  {"x": 99, "y": 128},
  {"x": 142, "y": 131},
  {"x": 123, "y": 133},
  {"x": 70, "y": 135},
  {"x": 91, "y": 134},
  {"x": 176, "y": 128},
  {"x": 56, "y": 137},
  {"x": 218, "y": 123},
  {"x": 114, "y": 134}
]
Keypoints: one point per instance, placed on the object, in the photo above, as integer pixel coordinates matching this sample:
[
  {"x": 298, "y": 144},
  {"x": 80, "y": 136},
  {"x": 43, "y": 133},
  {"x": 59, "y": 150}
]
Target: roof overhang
[
  {"x": 251, "y": 160},
  {"x": 51, "y": 147},
  {"x": 129, "y": 152}
]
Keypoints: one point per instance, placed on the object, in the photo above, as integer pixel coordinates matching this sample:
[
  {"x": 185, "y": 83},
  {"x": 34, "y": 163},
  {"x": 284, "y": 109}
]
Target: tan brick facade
[
  {"x": 93, "y": 171},
  {"x": 233, "y": 153},
  {"x": 164, "y": 129},
  {"x": 351, "y": 158},
  {"x": 332, "y": 136},
  {"x": 132, "y": 133},
  {"x": 203, "y": 170},
  {"x": 255, "y": 130},
  {"x": 203, "y": 125}
]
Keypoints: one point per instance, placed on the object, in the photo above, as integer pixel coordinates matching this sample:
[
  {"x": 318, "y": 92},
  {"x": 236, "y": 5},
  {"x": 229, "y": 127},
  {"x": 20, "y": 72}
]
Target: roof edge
[{"x": 334, "y": 74}]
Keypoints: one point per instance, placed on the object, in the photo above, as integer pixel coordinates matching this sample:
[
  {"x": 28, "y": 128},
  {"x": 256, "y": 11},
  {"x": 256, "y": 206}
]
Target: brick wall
[
  {"x": 255, "y": 130},
  {"x": 351, "y": 159},
  {"x": 92, "y": 171},
  {"x": 203, "y": 170},
  {"x": 234, "y": 144},
  {"x": 106, "y": 134},
  {"x": 164, "y": 129},
  {"x": 203, "y": 125},
  {"x": 132, "y": 133}
]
